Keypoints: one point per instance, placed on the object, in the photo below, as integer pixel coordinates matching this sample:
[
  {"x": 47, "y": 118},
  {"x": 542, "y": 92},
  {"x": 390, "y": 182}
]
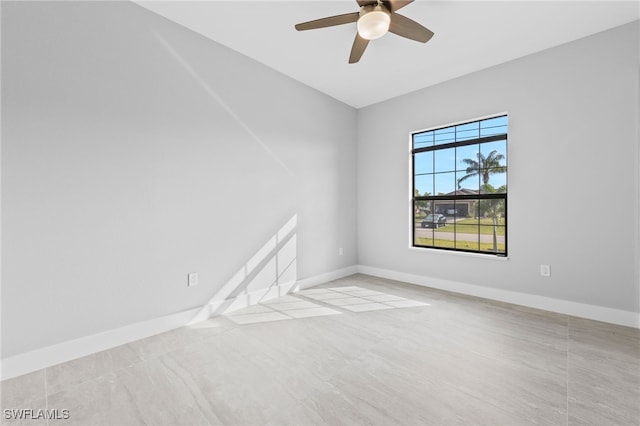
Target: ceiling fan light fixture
[{"x": 373, "y": 22}]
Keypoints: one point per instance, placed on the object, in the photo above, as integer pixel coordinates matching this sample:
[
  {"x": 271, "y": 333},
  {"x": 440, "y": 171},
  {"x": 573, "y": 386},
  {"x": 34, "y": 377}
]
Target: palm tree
[{"x": 484, "y": 166}]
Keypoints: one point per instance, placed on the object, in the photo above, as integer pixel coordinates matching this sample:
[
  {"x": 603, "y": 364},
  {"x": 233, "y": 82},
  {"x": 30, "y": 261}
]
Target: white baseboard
[
  {"x": 243, "y": 300},
  {"x": 598, "y": 313},
  {"x": 37, "y": 359},
  {"x": 327, "y": 277},
  {"x": 248, "y": 299},
  {"x": 27, "y": 362}
]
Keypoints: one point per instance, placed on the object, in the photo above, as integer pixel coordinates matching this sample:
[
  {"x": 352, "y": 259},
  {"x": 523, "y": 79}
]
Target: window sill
[{"x": 458, "y": 253}]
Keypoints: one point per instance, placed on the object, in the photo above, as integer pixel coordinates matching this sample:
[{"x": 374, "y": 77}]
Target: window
[{"x": 459, "y": 176}]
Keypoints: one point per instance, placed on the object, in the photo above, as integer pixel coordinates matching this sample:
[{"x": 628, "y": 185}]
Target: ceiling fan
[{"x": 375, "y": 19}]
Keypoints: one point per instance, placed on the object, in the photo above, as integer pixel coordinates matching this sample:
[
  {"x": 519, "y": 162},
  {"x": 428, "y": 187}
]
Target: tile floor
[{"x": 360, "y": 350}]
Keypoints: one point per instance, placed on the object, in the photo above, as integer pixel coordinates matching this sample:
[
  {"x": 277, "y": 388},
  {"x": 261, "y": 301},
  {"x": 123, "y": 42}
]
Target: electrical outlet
[
  {"x": 192, "y": 279},
  {"x": 340, "y": 251},
  {"x": 545, "y": 270}
]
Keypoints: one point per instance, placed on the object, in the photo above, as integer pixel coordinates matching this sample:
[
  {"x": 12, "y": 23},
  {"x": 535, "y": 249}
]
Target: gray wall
[
  {"x": 135, "y": 151},
  {"x": 573, "y": 172}
]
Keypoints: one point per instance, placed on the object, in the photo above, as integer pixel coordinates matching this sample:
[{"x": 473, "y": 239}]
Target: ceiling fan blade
[
  {"x": 359, "y": 44},
  {"x": 408, "y": 28},
  {"x": 394, "y": 5},
  {"x": 331, "y": 21}
]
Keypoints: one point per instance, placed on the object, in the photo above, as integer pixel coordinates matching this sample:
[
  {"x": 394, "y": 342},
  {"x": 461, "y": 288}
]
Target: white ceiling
[{"x": 469, "y": 36}]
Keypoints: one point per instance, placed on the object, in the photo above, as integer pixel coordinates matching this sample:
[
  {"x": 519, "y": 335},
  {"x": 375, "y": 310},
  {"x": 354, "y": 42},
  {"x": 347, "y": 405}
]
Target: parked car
[{"x": 434, "y": 221}]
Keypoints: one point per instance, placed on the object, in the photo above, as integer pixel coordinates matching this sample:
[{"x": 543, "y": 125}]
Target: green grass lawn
[{"x": 465, "y": 245}]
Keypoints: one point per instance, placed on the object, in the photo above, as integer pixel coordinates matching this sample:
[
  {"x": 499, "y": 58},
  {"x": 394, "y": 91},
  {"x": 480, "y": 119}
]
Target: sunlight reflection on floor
[{"x": 298, "y": 305}]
